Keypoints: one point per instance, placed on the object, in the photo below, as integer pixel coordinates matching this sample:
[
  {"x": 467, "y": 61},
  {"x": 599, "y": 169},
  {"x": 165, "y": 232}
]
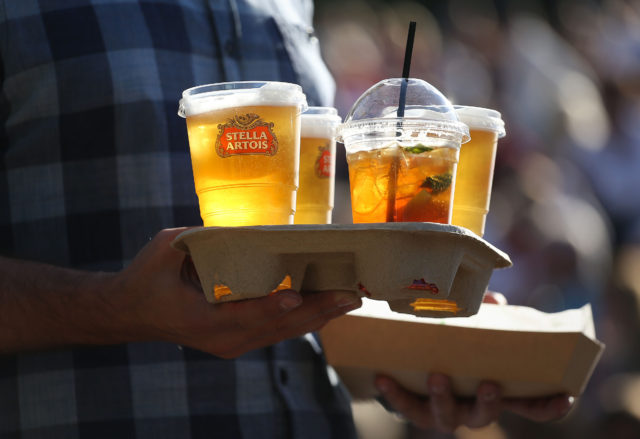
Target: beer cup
[
  {"x": 317, "y": 166},
  {"x": 244, "y": 139},
  {"x": 475, "y": 167}
]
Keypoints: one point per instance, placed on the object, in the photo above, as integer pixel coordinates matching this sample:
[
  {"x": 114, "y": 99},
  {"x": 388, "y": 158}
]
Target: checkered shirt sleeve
[{"x": 93, "y": 162}]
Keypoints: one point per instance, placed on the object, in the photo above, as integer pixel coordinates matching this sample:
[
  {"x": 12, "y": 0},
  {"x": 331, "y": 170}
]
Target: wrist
[
  {"x": 45, "y": 307},
  {"x": 119, "y": 310},
  {"x": 103, "y": 317}
]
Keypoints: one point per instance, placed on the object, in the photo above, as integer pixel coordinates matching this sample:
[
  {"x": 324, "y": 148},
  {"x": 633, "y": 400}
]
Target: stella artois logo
[
  {"x": 246, "y": 134},
  {"x": 323, "y": 162}
]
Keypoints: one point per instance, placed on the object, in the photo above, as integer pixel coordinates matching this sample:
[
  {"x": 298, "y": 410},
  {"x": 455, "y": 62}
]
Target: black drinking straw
[
  {"x": 393, "y": 170},
  {"x": 406, "y": 67}
]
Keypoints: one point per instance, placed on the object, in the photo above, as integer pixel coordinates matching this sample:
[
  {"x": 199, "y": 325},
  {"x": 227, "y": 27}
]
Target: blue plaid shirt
[{"x": 95, "y": 161}]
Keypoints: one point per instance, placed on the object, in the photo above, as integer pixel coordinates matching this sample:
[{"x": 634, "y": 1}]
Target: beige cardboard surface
[
  {"x": 528, "y": 352},
  {"x": 381, "y": 261}
]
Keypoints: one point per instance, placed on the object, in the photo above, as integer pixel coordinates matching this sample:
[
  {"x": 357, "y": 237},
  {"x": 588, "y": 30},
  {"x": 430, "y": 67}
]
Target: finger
[
  {"x": 495, "y": 298},
  {"x": 261, "y": 311},
  {"x": 410, "y": 406},
  {"x": 252, "y": 314},
  {"x": 487, "y": 406},
  {"x": 166, "y": 236},
  {"x": 282, "y": 332},
  {"x": 443, "y": 404},
  {"x": 223, "y": 328},
  {"x": 189, "y": 274},
  {"x": 258, "y": 326},
  {"x": 174, "y": 232},
  {"x": 320, "y": 305},
  {"x": 540, "y": 409}
]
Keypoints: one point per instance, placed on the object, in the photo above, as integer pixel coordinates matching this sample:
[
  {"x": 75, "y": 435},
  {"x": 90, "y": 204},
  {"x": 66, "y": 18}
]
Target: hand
[
  {"x": 160, "y": 292},
  {"x": 443, "y": 412}
]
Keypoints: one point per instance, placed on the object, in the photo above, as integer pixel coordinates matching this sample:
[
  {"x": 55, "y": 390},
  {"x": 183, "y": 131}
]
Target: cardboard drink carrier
[{"x": 425, "y": 269}]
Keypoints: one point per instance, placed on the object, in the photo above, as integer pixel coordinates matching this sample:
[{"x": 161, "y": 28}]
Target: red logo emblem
[
  {"x": 244, "y": 135},
  {"x": 323, "y": 162},
  {"x": 421, "y": 284}
]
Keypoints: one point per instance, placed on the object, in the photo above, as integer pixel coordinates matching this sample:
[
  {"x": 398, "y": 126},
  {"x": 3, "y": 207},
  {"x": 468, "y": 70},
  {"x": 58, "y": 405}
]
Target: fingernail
[{"x": 288, "y": 303}]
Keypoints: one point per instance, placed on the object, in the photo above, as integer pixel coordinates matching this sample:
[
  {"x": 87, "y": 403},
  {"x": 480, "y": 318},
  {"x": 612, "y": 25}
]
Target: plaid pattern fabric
[{"x": 94, "y": 161}]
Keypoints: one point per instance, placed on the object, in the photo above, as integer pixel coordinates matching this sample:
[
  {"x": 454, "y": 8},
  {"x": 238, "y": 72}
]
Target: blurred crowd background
[{"x": 566, "y": 197}]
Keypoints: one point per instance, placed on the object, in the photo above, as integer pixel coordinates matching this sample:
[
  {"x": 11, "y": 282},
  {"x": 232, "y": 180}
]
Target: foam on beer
[
  {"x": 199, "y": 100},
  {"x": 479, "y": 118},
  {"x": 319, "y": 126}
]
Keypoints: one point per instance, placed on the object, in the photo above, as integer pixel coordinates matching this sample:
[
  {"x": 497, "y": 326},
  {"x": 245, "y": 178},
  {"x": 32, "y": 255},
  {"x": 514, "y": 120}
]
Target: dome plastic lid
[
  {"x": 480, "y": 118},
  {"x": 424, "y": 105}
]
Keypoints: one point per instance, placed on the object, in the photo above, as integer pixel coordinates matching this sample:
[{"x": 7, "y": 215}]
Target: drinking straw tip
[
  {"x": 409, "y": 49},
  {"x": 406, "y": 67}
]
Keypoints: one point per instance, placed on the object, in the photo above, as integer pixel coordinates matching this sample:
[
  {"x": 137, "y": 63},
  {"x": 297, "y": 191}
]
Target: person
[{"x": 105, "y": 330}]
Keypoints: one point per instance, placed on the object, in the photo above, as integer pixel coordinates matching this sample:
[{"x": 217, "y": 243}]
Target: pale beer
[
  {"x": 245, "y": 144},
  {"x": 317, "y": 166},
  {"x": 475, "y": 168}
]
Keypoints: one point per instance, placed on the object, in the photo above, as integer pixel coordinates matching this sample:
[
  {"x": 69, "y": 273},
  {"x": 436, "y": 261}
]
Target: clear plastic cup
[
  {"x": 317, "y": 165},
  {"x": 402, "y": 169},
  {"x": 244, "y": 139},
  {"x": 475, "y": 167}
]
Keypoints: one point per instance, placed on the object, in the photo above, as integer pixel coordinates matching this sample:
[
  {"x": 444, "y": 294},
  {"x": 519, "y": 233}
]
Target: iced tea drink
[
  {"x": 317, "y": 166},
  {"x": 400, "y": 183},
  {"x": 475, "y": 168},
  {"x": 402, "y": 138},
  {"x": 244, "y": 140}
]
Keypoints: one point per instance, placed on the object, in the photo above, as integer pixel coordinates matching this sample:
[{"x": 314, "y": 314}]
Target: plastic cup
[
  {"x": 475, "y": 167},
  {"x": 402, "y": 169},
  {"x": 317, "y": 165},
  {"x": 244, "y": 139}
]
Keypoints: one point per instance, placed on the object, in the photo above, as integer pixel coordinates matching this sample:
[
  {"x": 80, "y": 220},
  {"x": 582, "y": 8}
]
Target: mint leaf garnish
[
  {"x": 417, "y": 149},
  {"x": 437, "y": 183}
]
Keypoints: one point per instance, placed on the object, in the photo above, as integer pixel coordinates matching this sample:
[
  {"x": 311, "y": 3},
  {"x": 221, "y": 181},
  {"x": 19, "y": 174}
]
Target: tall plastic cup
[
  {"x": 475, "y": 167},
  {"x": 317, "y": 165},
  {"x": 402, "y": 168},
  {"x": 244, "y": 139}
]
